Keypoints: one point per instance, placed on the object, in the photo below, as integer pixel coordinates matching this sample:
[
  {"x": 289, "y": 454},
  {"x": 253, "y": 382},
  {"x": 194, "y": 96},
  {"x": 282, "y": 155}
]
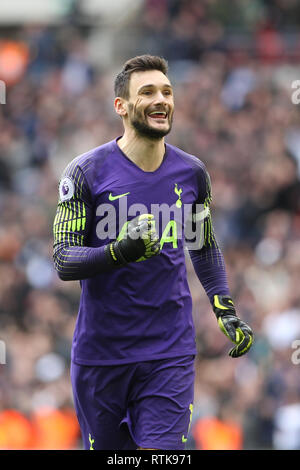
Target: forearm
[
  {"x": 210, "y": 269},
  {"x": 74, "y": 263}
]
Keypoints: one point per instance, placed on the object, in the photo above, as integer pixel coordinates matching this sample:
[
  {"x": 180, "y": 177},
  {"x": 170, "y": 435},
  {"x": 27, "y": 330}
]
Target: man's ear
[{"x": 120, "y": 106}]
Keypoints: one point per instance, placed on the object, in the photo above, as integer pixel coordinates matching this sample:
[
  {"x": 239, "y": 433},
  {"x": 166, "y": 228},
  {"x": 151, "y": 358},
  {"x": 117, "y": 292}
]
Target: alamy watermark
[
  {"x": 295, "y": 358},
  {"x": 2, "y": 92},
  {"x": 2, "y": 352},
  {"x": 185, "y": 222}
]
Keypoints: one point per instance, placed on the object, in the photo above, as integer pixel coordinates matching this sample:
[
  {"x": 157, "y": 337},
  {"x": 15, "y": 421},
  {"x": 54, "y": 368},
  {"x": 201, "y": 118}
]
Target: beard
[{"x": 142, "y": 128}]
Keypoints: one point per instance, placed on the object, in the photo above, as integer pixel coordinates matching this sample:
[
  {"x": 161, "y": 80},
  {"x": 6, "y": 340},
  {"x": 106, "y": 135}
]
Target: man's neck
[{"x": 147, "y": 154}]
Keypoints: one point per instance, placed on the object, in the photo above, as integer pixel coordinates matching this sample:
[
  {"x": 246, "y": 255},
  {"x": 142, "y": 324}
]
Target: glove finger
[
  {"x": 139, "y": 219},
  {"x": 135, "y": 232},
  {"x": 242, "y": 329},
  {"x": 149, "y": 235},
  {"x": 151, "y": 245},
  {"x": 227, "y": 325},
  {"x": 243, "y": 340},
  {"x": 242, "y": 347},
  {"x": 152, "y": 250},
  {"x": 143, "y": 217},
  {"x": 141, "y": 228},
  {"x": 245, "y": 328},
  {"x": 153, "y": 238},
  {"x": 155, "y": 246},
  {"x": 234, "y": 352}
]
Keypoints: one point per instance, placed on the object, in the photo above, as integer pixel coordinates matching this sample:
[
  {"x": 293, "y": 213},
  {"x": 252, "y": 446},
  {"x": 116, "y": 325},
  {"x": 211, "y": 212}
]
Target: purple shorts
[{"x": 146, "y": 404}]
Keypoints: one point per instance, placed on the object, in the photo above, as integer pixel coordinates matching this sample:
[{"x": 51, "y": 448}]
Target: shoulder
[
  {"x": 197, "y": 165},
  {"x": 78, "y": 176},
  {"x": 199, "y": 171},
  {"x": 87, "y": 162}
]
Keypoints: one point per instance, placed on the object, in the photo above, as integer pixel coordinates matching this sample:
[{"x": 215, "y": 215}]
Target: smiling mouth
[{"x": 158, "y": 115}]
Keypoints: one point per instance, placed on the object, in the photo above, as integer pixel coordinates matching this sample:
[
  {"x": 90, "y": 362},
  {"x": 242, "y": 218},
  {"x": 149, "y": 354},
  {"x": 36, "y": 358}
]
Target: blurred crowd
[{"x": 234, "y": 111}]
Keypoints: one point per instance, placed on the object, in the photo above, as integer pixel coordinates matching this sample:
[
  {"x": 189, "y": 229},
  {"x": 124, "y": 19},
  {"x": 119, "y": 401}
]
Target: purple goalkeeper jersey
[{"x": 141, "y": 311}]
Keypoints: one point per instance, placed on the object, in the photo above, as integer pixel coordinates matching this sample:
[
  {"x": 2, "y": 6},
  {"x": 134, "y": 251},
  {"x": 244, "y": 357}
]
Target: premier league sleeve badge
[{"x": 66, "y": 189}]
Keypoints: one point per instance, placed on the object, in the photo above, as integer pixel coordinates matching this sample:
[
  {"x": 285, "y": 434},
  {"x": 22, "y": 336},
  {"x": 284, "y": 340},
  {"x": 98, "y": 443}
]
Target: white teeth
[{"x": 157, "y": 112}]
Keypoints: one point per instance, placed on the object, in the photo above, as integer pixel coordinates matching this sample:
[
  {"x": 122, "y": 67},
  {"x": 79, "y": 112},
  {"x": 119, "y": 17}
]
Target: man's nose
[{"x": 160, "y": 97}]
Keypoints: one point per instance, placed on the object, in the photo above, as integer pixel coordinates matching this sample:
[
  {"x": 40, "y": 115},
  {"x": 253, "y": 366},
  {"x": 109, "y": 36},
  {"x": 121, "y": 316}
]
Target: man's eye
[{"x": 147, "y": 92}]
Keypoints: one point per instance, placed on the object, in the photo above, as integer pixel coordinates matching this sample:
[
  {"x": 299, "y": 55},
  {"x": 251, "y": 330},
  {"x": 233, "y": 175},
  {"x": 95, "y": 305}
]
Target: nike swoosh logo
[
  {"x": 183, "y": 439},
  {"x": 112, "y": 198}
]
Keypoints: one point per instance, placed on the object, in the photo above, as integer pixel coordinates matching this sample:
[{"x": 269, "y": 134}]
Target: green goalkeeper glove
[
  {"x": 232, "y": 326},
  {"x": 139, "y": 243}
]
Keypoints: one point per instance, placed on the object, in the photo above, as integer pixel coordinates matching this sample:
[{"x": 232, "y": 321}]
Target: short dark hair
[{"x": 140, "y": 63}]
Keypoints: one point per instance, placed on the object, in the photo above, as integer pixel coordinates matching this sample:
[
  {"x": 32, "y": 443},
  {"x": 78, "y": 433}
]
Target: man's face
[{"x": 151, "y": 104}]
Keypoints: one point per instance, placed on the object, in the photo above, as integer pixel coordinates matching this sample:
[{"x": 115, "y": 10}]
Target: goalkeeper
[{"x": 134, "y": 345}]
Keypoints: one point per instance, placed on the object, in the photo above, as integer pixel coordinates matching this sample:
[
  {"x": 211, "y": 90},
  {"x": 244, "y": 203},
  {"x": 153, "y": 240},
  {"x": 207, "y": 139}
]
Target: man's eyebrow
[{"x": 149, "y": 85}]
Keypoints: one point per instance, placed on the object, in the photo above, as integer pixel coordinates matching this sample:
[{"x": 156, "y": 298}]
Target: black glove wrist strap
[
  {"x": 223, "y": 305},
  {"x": 114, "y": 255}
]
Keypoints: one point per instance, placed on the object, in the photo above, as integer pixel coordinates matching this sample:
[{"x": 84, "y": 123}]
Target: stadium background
[{"x": 232, "y": 64}]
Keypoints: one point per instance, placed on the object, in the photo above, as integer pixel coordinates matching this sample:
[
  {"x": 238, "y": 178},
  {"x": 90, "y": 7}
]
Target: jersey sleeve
[
  {"x": 208, "y": 261},
  {"x": 73, "y": 259}
]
